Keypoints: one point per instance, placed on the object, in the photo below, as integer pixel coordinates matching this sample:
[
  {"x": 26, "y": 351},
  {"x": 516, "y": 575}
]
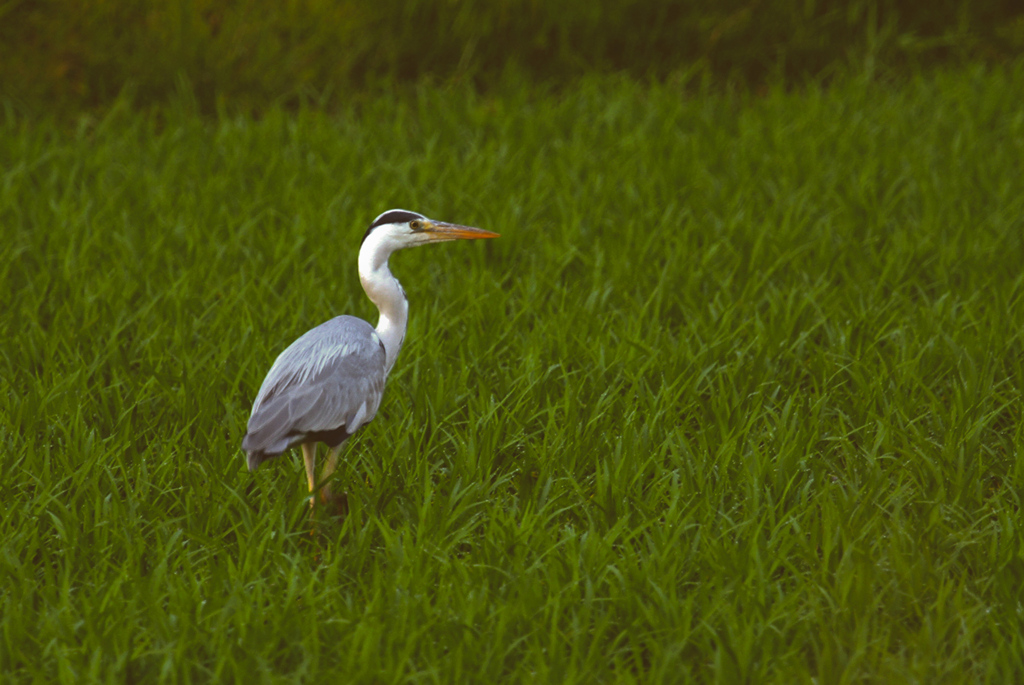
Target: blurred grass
[
  {"x": 736, "y": 396},
  {"x": 70, "y": 55}
]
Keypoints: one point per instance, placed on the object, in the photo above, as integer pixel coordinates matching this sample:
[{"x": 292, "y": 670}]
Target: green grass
[{"x": 736, "y": 397}]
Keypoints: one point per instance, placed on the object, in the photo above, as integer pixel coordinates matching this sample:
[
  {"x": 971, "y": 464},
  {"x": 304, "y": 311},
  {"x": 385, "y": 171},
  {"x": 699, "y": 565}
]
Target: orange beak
[{"x": 440, "y": 230}]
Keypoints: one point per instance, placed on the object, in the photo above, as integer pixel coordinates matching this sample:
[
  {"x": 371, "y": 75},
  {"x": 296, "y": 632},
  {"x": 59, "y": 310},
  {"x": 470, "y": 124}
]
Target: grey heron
[{"x": 329, "y": 382}]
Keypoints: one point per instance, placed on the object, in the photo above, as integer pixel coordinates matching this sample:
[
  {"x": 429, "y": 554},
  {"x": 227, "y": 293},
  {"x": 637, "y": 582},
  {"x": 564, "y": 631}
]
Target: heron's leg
[
  {"x": 332, "y": 463},
  {"x": 309, "y": 456}
]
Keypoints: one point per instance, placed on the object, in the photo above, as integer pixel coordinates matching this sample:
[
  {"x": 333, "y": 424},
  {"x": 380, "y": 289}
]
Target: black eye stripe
[{"x": 393, "y": 216}]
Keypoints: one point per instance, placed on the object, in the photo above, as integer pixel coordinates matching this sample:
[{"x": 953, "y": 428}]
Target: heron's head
[{"x": 396, "y": 229}]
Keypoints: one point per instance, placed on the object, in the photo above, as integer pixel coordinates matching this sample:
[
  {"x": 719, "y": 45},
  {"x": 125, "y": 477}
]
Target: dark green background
[{"x": 244, "y": 56}]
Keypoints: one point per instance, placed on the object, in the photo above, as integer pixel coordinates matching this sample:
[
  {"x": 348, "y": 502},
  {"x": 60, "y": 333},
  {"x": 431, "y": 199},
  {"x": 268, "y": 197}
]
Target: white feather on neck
[{"x": 384, "y": 290}]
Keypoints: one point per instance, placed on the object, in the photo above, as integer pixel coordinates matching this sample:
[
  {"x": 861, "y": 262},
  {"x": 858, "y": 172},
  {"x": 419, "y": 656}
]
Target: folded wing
[{"x": 323, "y": 387}]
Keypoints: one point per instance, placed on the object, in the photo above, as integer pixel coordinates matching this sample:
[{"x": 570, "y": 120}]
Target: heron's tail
[{"x": 255, "y": 456}]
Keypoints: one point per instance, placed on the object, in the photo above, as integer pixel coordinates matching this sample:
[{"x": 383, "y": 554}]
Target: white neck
[{"x": 386, "y": 292}]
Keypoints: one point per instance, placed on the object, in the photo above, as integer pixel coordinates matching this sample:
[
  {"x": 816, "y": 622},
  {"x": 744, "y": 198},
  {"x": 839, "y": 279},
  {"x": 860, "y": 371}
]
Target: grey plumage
[{"x": 323, "y": 387}]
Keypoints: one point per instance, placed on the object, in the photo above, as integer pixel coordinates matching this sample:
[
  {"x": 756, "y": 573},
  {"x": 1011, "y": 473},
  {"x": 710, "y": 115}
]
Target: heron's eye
[{"x": 416, "y": 225}]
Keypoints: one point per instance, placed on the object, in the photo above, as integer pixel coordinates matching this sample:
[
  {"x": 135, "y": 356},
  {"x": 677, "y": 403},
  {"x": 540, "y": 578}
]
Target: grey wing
[{"x": 327, "y": 384}]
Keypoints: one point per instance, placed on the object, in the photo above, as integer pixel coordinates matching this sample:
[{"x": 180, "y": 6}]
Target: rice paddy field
[{"x": 735, "y": 398}]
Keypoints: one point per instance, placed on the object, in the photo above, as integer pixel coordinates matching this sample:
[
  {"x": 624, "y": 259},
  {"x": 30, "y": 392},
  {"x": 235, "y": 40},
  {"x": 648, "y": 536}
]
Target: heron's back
[{"x": 323, "y": 387}]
